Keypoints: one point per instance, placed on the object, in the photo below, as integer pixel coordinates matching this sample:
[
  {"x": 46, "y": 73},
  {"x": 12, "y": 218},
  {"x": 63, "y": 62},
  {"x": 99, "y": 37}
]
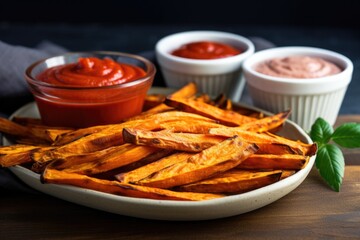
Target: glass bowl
[{"x": 84, "y": 106}]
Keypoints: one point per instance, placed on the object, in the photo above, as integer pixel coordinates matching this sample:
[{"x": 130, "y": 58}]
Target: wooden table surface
[{"x": 312, "y": 211}]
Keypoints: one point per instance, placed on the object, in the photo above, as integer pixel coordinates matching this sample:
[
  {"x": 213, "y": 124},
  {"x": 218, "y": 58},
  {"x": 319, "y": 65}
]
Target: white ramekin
[
  {"x": 307, "y": 98},
  {"x": 214, "y": 76}
]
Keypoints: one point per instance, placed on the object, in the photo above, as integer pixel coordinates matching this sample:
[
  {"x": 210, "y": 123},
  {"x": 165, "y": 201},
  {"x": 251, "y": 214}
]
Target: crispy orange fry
[
  {"x": 296, "y": 146},
  {"x": 52, "y": 132},
  {"x": 221, "y": 101},
  {"x": 115, "y": 187},
  {"x": 204, "y": 98},
  {"x": 27, "y": 121},
  {"x": 233, "y": 181},
  {"x": 150, "y": 169},
  {"x": 16, "y": 154},
  {"x": 68, "y": 137},
  {"x": 153, "y": 100},
  {"x": 186, "y": 91},
  {"x": 272, "y": 161},
  {"x": 243, "y": 110},
  {"x": 55, "y": 133},
  {"x": 190, "y": 126},
  {"x": 267, "y": 123},
  {"x": 188, "y": 142},
  {"x": 124, "y": 155},
  {"x": 277, "y": 148},
  {"x": 287, "y": 173},
  {"x": 219, "y": 158},
  {"x": 21, "y": 133},
  {"x": 226, "y": 117},
  {"x": 73, "y": 160},
  {"x": 154, "y": 157}
]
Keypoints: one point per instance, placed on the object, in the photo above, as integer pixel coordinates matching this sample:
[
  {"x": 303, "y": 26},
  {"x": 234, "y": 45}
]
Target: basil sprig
[{"x": 329, "y": 159}]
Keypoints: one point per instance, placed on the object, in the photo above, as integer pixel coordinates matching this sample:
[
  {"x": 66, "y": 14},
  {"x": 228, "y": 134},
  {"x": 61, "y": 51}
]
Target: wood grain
[{"x": 312, "y": 211}]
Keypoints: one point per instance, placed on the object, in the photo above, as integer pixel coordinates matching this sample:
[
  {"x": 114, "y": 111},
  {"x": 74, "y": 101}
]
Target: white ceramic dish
[
  {"x": 169, "y": 210},
  {"x": 213, "y": 76},
  {"x": 307, "y": 98}
]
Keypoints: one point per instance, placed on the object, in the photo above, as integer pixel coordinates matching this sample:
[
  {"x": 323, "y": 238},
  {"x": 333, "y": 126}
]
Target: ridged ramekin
[
  {"x": 213, "y": 76},
  {"x": 309, "y": 98}
]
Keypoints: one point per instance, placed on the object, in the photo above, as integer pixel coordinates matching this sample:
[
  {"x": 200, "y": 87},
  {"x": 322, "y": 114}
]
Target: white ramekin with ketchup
[{"x": 214, "y": 74}]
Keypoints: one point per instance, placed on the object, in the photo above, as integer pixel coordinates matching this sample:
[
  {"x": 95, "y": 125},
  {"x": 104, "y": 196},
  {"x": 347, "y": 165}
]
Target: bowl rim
[
  {"x": 150, "y": 71},
  {"x": 334, "y": 57},
  {"x": 189, "y": 36}
]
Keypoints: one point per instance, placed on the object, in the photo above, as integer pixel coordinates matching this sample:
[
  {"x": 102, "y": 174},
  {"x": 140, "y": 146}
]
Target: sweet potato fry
[
  {"x": 150, "y": 159},
  {"x": 190, "y": 126},
  {"x": 226, "y": 117},
  {"x": 55, "y": 133},
  {"x": 153, "y": 100},
  {"x": 37, "y": 123},
  {"x": 124, "y": 155},
  {"x": 277, "y": 148},
  {"x": 233, "y": 181},
  {"x": 186, "y": 91},
  {"x": 308, "y": 149},
  {"x": 20, "y": 133},
  {"x": 223, "y": 102},
  {"x": 272, "y": 161},
  {"x": 188, "y": 142},
  {"x": 65, "y": 138},
  {"x": 48, "y": 132},
  {"x": 73, "y": 160},
  {"x": 220, "y": 100},
  {"x": 115, "y": 187},
  {"x": 219, "y": 158},
  {"x": 26, "y": 121},
  {"x": 287, "y": 173},
  {"x": 266, "y": 139},
  {"x": 267, "y": 123},
  {"x": 243, "y": 110},
  {"x": 203, "y": 98},
  {"x": 16, "y": 154},
  {"x": 150, "y": 169}
]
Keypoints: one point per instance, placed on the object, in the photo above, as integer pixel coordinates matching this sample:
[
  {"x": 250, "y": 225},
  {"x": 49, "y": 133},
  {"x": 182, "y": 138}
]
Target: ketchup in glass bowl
[{"x": 91, "y": 88}]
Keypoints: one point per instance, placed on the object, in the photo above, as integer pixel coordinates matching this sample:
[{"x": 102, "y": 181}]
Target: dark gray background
[{"x": 135, "y": 27}]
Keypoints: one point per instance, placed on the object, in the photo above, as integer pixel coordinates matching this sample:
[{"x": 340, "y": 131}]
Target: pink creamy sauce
[{"x": 298, "y": 67}]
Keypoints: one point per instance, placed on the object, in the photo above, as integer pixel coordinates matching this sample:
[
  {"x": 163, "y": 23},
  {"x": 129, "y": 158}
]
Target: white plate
[{"x": 165, "y": 209}]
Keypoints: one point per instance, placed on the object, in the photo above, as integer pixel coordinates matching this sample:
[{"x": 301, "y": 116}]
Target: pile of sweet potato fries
[{"x": 185, "y": 146}]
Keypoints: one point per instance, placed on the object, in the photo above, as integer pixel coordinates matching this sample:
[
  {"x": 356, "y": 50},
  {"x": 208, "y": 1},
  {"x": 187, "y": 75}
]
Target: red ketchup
[
  {"x": 206, "y": 50},
  {"x": 91, "y": 72},
  {"x": 88, "y": 93}
]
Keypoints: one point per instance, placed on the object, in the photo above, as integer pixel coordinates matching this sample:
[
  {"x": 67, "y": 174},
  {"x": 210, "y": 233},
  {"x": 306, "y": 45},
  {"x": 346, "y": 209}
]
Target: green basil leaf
[
  {"x": 321, "y": 131},
  {"x": 347, "y": 135},
  {"x": 331, "y": 165}
]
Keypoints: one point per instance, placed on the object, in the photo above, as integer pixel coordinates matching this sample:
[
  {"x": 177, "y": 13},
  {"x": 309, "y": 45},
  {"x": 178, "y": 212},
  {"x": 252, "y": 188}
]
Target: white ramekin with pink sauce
[{"x": 319, "y": 94}]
